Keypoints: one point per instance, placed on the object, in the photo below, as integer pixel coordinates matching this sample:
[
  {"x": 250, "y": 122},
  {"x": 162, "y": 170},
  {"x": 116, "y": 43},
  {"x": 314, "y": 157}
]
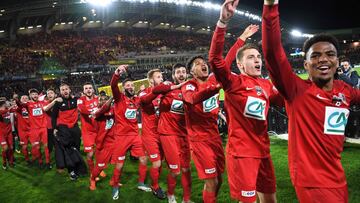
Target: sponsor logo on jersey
[
  {"x": 109, "y": 124},
  {"x": 37, "y": 112},
  {"x": 211, "y": 103},
  {"x": 177, "y": 106},
  {"x": 255, "y": 108},
  {"x": 210, "y": 170},
  {"x": 130, "y": 113},
  {"x": 335, "y": 120},
  {"x": 248, "y": 193}
]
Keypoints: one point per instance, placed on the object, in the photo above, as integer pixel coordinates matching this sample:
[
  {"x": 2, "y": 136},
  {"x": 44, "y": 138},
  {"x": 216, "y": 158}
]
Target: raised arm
[
  {"x": 104, "y": 108},
  {"x": 51, "y": 104},
  {"x": 219, "y": 66},
  {"x": 275, "y": 58},
  {"x": 192, "y": 96},
  {"x": 114, "y": 82},
  {"x": 147, "y": 98}
]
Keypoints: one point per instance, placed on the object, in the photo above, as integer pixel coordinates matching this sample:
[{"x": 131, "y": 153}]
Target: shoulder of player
[{"x": 189, "y": 85}]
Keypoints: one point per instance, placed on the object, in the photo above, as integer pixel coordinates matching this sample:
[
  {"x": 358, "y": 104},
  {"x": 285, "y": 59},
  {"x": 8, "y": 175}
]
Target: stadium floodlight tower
[{"x": 101, "y": 3}]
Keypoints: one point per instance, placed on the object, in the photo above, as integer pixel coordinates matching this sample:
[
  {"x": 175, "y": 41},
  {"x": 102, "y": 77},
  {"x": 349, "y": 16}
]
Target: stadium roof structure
[{"x": 198, "y": 16}]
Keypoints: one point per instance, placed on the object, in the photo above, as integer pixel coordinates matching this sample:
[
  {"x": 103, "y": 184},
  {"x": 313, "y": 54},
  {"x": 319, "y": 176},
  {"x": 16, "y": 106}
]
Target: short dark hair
[
  {"x": 190, "y": 62},
  {"x": 50, "y": 89},
  {"x": 64, "y": 84},
  {"x": 126, "y": 80},
  {"x": 33, "y": 90},
  {"x": 322, "y": 37},
  {"x": 102, "y": 93},
  {"x": 344, "y": 59},
  {"x": 87, "y": 83},
  {"x": 176, "y": 66},
  {"x": 2, "y": 102},
  {"x": 240, "y": 52}
]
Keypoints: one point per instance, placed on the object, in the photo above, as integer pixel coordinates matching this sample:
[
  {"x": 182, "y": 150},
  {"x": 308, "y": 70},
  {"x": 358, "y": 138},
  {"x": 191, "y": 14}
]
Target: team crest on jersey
[
  {"x": 339, "y": 99},
  {"x": 258, "y": 90},
  {"x": 190, "y": 87},
  {"x": 180, "y": 96},
  {"x": 255, "y": 108},
  {"x": 335, "y": 120},
  {"x": 177, "y": 106},
  {"x": 211, "y": 103},
  {"x": 130, "y": 113}
]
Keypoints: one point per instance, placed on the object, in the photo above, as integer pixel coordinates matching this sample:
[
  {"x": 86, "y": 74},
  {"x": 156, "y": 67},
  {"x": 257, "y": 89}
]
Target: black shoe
[
  {"x": 48, "y": 166},
  {"x": 159, "y": 193},
  {"x": 41, "y": 166},
  {"x": 73, "y": 176}
]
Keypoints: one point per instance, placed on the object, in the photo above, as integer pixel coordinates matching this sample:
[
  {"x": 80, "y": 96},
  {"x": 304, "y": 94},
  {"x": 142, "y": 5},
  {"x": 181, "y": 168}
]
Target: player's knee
[
  {"x": 89, "y": 155},
  {"x": 119, "y": 166},
  {"x": 143, "y": 160},
  {"x": 267, "y": 197},
  {"x": 210, "y": 184},
  {"x": 5, "y": 147},
  {"x": 184, "y": 170},
  {"x": 156, "y": 164}
]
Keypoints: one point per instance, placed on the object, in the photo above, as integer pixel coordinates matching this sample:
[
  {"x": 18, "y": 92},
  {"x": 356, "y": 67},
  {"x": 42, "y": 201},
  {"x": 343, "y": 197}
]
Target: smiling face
[
  {"x": 65, "y": 91},
  {"x": 88, "y": 90},
  {"x": 179, "y": 75},
  {"x": 250, "y": 63},
  {"x": 321, "y": 62},
  {"x": 200, "y": 69},
  {"x": 129, "y": 88}
]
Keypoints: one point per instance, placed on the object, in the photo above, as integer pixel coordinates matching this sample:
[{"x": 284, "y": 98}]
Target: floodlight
[
  {"x": 102, "y": 3},
  {"x": 296, "y": 33}
]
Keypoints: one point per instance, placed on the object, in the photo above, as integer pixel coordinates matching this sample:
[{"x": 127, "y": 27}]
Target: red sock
[
  {"x": 142, "y": 172},
  {"x": 47, "y": 155},
  {"x": 95, "y": 172},
  {"x": 10, "y": 156},
  {"x": 25, "y": 153},
  {"x": 4, "y": 156},
  {"x": 209, "y": 197},
  {"x": 171, "y": 182},
  {"x": 116, "y": 177},
  {"x": 90, "y": 163},
  {"x": 186, "y": 185},
  {"x": 154, "y": 174}
]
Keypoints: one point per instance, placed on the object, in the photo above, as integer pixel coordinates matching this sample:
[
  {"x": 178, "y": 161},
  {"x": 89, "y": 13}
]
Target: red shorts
[
  {"x": 319, "y": 195},
  {"x": 125, "y": 143},
  {"x": 6, "y": 140},
  {"x": 38, "y": 135},
  {"x": 24, "y": 137},
  {"x": 152, "y": 147},
  {"x": 103, "y": 156},
  {"x": 88, "y": 140},
  {"x": 209, "y": 158},
  {"x": 247, "y": 175},
  {"x": 176, "y": 151}
]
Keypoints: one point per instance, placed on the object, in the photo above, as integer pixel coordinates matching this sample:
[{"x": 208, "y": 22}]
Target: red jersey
[
  {"x": 86, "y": 107},
  {"x": 5, "y": 123},
  {"x": 125, "y": 111},
  {"x": 317, "y": 118},
  {"x": 105, "y": 122},
  {"x": 247, "y": 103},
  {"x": 22, "y": 116},
  {"x": 201, "y": 109},
  {"x": 172, "y": 116},
  {"x": 37, "y": 116},
  {"x": 149, "y": 111}
]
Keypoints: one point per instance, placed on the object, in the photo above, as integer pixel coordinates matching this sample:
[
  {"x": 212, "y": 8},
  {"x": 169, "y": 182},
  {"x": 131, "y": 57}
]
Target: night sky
[{"x": 314, "y": 14}]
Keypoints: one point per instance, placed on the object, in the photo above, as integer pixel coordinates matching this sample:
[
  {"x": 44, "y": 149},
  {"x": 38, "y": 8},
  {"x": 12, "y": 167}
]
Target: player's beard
[{"x": 129, "y": 94}]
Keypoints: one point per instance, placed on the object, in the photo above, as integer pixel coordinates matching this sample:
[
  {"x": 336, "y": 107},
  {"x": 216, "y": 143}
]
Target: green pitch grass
[{"x": 24, "y": 184}]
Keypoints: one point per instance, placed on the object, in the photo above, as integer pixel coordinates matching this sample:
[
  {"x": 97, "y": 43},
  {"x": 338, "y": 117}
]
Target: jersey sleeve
[
  {"x": 117, "y": 95},
  {"x": 81, "y": 106},
  {"x": 193, "y": 96},
  {"x": 276, "y": 61},
  {"x": 161, "y": 89},
  {"x": 220, "y": 66}
]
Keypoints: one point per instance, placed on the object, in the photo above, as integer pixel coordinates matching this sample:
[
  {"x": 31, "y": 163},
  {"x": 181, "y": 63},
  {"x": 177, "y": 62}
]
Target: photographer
[{"x": 347, "y": 74}]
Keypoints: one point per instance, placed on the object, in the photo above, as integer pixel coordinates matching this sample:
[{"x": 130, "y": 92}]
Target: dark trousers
[
  {"x": 51, "y": 140},
  {"x": 66, "y": 138}
]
